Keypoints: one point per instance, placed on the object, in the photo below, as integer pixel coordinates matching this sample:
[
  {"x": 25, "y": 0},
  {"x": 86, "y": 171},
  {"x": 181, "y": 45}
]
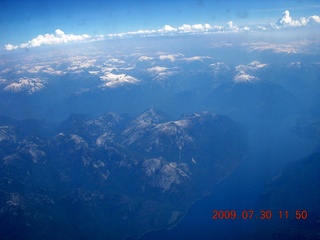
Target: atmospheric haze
[{"x": 145, "y": 133}]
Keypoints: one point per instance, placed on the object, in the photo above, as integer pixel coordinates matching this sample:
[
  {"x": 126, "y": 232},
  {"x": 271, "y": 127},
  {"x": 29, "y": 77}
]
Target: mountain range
[{"x": 110, "y": 176}]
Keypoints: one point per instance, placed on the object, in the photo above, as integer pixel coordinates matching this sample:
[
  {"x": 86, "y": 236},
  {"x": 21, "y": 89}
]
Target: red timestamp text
[{"x": 261, "y": 214}]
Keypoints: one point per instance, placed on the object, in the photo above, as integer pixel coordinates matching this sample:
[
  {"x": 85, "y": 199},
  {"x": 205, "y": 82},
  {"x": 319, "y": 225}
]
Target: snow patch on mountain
[
  {"x": 247, "y": 73},
  {"x": 114, "y": 80},
  {"x": 29, "y": 85}
]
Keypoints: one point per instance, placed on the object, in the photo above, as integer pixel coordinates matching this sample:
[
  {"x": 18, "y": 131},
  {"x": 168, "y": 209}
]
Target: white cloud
[
  {"x": 97, "y": 38},
  {"x": 126, "y": 34},
  {"x": 261, "y": 28},
  {"x": 167, "y": 28},
  {"x": 207, "y": 26},
  {"x": 186, "y": 28},
  {"x": 50, "y": 39},
  {"x": 10, "y": 47},
  {"x": 286, "y": 21},
  {"x": 314, "y": 19},
  {"x": 60, "y": 37},
  {"x": 232, "y": 27}
]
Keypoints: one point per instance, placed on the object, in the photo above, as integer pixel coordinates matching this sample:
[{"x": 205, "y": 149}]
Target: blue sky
[{"x": 21, "y": 21}]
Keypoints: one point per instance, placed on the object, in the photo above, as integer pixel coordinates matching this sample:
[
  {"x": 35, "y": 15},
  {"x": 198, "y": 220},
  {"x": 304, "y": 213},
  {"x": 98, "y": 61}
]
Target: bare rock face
[{"x": 112, "y": 176}]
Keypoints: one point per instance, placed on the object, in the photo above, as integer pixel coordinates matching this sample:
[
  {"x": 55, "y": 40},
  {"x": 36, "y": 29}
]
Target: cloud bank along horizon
[{"x": 59, "y": 37}]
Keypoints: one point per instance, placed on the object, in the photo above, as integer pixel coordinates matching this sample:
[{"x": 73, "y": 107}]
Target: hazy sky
[{"x": 21, "y": 21}]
